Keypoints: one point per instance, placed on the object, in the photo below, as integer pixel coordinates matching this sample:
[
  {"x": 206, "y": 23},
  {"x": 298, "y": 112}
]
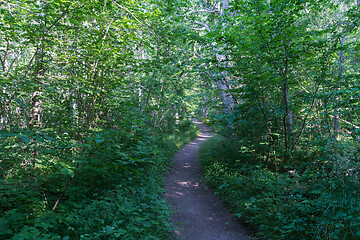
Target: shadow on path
[{"x": 198, "y": 213}]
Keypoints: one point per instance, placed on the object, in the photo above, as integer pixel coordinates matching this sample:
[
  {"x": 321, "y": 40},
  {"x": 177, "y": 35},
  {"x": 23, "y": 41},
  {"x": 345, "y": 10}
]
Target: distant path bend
[{"x": 198, "y": 213}]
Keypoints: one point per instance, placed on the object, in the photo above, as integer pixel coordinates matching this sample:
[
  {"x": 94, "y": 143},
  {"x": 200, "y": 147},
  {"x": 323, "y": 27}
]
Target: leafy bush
[
  {"x": 185, "y": 124},
  {"x": 107, "y": 187},
  {"x": 315, "y": 200}
]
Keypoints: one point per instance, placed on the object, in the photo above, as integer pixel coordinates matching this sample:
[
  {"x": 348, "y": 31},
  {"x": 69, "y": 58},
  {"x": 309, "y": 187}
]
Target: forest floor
[{"x": 198, "y": 214}]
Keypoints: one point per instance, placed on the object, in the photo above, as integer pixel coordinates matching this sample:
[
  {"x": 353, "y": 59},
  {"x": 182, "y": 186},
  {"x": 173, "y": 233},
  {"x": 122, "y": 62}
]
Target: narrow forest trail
[{"x": 198, "y": 213}]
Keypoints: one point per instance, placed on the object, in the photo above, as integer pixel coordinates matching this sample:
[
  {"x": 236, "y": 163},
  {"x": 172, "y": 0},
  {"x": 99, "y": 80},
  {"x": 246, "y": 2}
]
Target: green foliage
[
  {"x": 184, "y": 133},
  {"x": 87, "y": 127},
  {"x": 130, "y": 211},
  {"x": 185, "y": 125},
  {"x": 89, "y": 91},
  {"x": 316, "y": 200},
  {"x": 284, "y": 72},
  {"x": 115, "y": 189}
]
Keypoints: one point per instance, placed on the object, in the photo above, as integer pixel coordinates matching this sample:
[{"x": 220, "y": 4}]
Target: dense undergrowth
[
  {"x": 317, "y": 198},
  {"x": 107, "y": 187}
]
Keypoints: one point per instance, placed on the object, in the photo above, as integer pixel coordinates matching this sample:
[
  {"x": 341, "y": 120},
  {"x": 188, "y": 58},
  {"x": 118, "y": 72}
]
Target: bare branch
[
  {"x": 59, "y": 18},
  {"x": 203, "y": 24},
  {"x": 204, "y": 11},
  {"x": 347, "y": 122},
  {"x": 66, "y": 186},
  {"x": 145, "y": 24},
  {"x": 5, "y": 55}
]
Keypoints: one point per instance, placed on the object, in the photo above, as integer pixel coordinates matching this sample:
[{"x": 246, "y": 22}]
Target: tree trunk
[
  {"x": 227, "y": 98},
  {"x": 223, "y": 83},
  {"x": 204, "y": 108},
  {"x": 4, "y": 114},
  {"x": 289, "y": 117},
  {"x": 340, "y": 72},
  {"x": 176, "y": 115},
  {"x": 36, "y": 102}
]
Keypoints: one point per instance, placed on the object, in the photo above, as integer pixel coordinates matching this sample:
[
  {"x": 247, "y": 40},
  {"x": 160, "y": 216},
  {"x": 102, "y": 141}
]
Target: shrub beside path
[{"x": 199, "y": 215}]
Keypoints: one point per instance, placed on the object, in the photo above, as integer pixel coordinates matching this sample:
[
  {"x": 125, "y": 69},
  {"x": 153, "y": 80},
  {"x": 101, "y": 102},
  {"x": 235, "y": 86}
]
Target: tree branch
[
  {"x": 60, "y": 17},
  {"x": 203, "y": 24},
  {"x": 66, "y": 186},
  {"x": 145, "y": 24},
  {"x": 204, "y": 11},
  {"x": 304, "y": 121}
]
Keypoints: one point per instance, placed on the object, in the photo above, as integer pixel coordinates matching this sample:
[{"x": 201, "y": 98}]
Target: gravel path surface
[{"x": 198, "y": 213}]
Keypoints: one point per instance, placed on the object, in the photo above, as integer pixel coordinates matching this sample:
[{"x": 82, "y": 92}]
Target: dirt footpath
[{"x": 198, "y": 213}]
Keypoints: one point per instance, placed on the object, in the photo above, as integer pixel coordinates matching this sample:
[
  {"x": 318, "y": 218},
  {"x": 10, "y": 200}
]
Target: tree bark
[
  {"x": 223, "y": 83},
  {"x": 340, "y": 72},
  {"x": 288, "y": 112}
]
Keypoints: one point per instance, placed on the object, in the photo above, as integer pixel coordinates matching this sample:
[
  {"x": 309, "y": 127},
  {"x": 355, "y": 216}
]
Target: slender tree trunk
[
  {"x": 288, "y": 118},
  {"x": 176, "y": 115},
  {"x": 205, "y": 106},
  {"x": 141, "y": 95},
  {"x": 4, "y": 114},
  {"x": 340, "y": 72},
  {"x": 288, "y": 112}
]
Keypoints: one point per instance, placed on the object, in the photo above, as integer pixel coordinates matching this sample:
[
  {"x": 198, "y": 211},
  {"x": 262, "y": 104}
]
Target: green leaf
[
  {"x": 66, "y": 171},
  {"x": 4, "y": 134},
  {"x": 99, "y": 139},
  {"x": 25, "y": 138}
]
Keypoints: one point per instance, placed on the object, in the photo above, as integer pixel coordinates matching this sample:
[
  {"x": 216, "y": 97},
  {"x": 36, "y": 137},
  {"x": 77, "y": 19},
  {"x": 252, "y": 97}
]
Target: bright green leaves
[{"x": 67, "y": 172}]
